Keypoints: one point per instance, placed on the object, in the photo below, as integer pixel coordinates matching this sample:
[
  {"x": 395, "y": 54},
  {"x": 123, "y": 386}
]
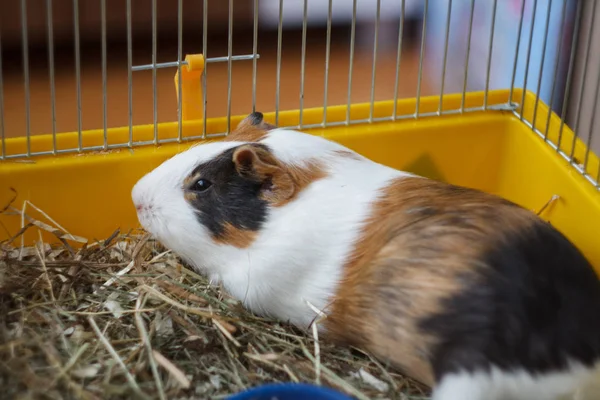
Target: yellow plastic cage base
[{"x": 89, "y": 193}]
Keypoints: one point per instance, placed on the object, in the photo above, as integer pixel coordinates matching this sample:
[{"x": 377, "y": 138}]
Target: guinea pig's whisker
[{"x": 248, "y": 279}]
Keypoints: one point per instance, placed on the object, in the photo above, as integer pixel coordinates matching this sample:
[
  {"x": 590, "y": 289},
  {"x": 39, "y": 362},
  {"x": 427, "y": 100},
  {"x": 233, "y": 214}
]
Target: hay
[{"x": 123, "y": 318}]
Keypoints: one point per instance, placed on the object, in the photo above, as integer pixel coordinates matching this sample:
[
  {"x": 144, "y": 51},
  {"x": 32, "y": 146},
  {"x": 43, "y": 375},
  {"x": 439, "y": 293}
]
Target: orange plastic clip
[{"x": 191, "y": 87}]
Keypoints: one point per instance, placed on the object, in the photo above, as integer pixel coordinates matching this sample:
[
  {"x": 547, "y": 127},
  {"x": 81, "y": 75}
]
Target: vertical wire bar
[
  {"x": 179, "y": 59},
  {"x": 420, "y": 77},
  {"x": 592, "y": 132},
  {"x": 2, "y": 135},
  {"x": 489, "y": 61},
  {"x": 78, "y": 72},
  {"x": 543, "y": 60},
  {"x": 398, "y": 59},
  {"x": 204, "y": 74},
  {"x": 592, "y": 124},
  {"x": 104, "y": 96},
  {"x": 327, "y": 55},
  {"x": 569, "y": 78},
  {"x": 563, "y": 22},
  {"x": 467, "y": 57},
  {"x": 25, "y": 49},
  {"x": 445, "y": 57},
  {"x": 533, "y": 13},
  {"x": 154, "y": 72},
  {"x": 597, "y": 175},
  {"x": 303, "y": 61},
  {"x": 129, "y": 73},
  {"x": 229, "y": 64},
  {"x": 254, "y": 52},
  {"x": 374, "y": 71},
  {"x": 351, "y": 66},
  {"x": 50, "y": 28},
  {"x": 593, "y": 120},
  {"x": 583, "y": 79},
  {"x": 278, "y": 77},
  {"x": 514, "y": 71}
]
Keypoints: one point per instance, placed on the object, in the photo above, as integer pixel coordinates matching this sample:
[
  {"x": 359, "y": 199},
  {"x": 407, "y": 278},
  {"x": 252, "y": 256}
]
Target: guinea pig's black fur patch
[
  {"x": 256, "y": 118},
  {"x": 232, "y": 199},
  {"x": 534, "y": 305}
]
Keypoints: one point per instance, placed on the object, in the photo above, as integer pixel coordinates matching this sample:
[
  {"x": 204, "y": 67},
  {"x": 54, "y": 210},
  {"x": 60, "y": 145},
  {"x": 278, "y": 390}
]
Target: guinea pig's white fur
[
  {"x": 287, "y": 265},
  {"x": 298, "y": 257}
]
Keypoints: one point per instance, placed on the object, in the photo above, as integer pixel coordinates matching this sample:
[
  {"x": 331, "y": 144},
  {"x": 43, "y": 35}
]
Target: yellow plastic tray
[{"x": 89, "y": 193}]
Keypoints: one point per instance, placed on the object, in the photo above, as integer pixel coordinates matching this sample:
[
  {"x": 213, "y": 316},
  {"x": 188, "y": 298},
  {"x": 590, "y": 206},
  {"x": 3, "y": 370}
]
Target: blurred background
[
  {"x": 543, "y": 46},
  {"x": 89, "y": 21}
]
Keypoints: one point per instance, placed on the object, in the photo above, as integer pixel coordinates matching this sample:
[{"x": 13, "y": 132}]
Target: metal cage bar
[
  {"x": 172, "y": 64},
  {"x": 399, "y": 57},
  {"x": 154, "y": 71},
  {"x": 129, "y": 74},
  {"x": 421, "y": 57},
  {"x": 351, "y": 62},
  {"x": 592, "y": 124},
  {"x": 51, "y": 77},
  {"x": 25, "y": 48},
  {"x": 179, "y": 60},
  {"x": 254, "y": 53},
  {"x": 594, "y": 109},
  {"x": 531, "y": 31},
  {"x": 327, "y": 56},
  {"x": 444, "y": 62},
  {"x": 78, "y": 73},
  {"x": 582, "y": 91},
  {"x": 303, "y": 61},
  {"x": 467, "y": 56},
  {"x": 205, "y": 73},
  {"x": 2, "y": 131},
  {"x": 278, "y": 73},
  {"x": 229, "y": 63},
  {"x": 569, "y": 78},
  {"x": 491, "y": 52},
  {"x": 517, "y": 48},
  {"x": 374, "y": 68},
  {"x": 555, "y": 66},
  {"x": 104, "y": 74},
  {"x": 541, "y": 71}
]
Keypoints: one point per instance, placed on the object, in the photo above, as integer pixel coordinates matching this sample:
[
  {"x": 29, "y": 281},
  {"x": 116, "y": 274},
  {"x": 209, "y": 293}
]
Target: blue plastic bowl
[{"x": 289, "y": 391}]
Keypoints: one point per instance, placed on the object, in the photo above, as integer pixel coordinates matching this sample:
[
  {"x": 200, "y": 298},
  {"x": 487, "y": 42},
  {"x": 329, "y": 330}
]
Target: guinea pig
[{"x": 462, "y": 290}]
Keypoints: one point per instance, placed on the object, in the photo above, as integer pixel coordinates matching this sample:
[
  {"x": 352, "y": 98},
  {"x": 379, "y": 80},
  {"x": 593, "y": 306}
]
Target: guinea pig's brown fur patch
[
  {"x": 283, "y": 182},
  {"x": 421, "y": 242},
  {"x": 300, "y": 177},
  {"x": 348, "y": 154},
  {"x": 240, "y": 238}
]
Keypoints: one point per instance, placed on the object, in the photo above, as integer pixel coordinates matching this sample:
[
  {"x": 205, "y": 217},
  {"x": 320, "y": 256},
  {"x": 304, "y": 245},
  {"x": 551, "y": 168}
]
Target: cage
[{"x": 500, "y": 96}]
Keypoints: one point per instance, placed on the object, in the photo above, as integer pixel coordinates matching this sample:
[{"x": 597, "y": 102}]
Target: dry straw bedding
[{"x": 124, "y": 318}]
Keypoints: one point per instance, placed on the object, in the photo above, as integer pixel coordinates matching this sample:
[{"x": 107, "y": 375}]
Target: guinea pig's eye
[{"x": 201, "y": 185}]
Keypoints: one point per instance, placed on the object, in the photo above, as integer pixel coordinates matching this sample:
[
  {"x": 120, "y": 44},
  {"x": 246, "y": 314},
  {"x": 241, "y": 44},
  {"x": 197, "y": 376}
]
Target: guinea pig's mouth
[{"x": 146, "y": 216}]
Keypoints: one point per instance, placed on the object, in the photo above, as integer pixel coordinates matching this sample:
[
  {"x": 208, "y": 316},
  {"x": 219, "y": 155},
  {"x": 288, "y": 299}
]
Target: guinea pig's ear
[
  {"x": 256, "y": 162},
  {"x": 255, "y": 120}
]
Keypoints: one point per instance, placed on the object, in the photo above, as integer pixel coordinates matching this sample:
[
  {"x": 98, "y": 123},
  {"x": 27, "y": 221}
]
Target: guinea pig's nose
[{"x": 143, "y": 207}]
